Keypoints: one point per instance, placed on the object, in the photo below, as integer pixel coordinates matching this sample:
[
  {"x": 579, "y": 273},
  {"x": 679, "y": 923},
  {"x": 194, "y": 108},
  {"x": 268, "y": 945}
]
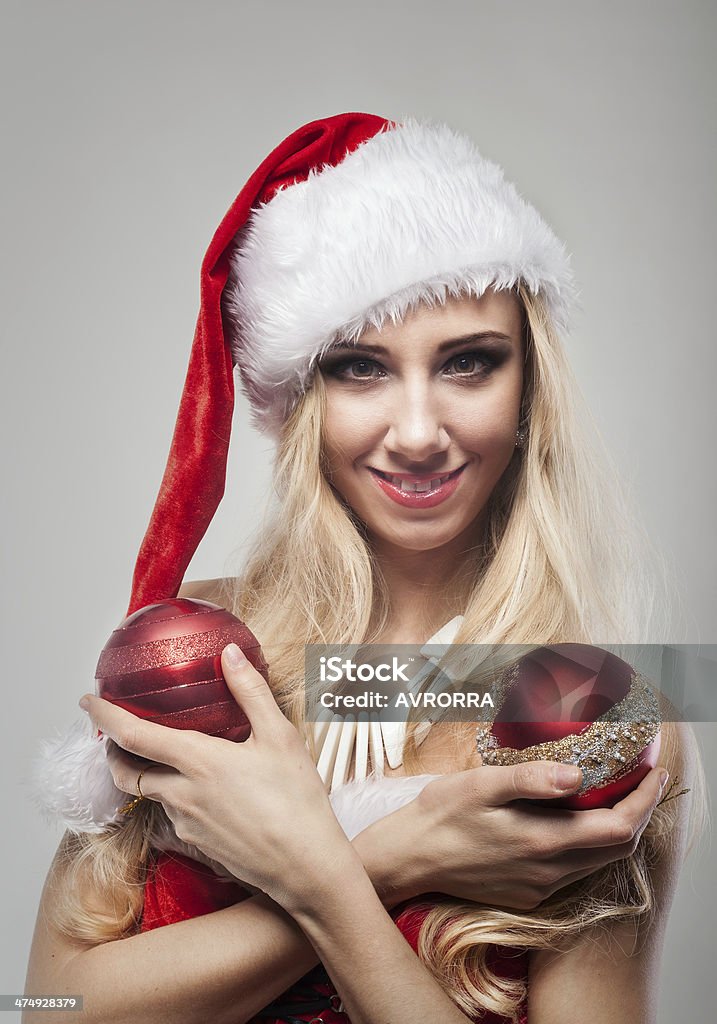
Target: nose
[{"x": 416, "y": 425}]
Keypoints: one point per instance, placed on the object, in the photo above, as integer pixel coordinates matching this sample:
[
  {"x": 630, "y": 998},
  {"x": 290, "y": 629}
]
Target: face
[{"x": 422, "y": 417}]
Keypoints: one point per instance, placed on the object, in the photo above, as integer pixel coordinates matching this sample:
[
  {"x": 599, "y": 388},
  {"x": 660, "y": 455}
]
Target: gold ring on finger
[{"x": 130, "y": 807}]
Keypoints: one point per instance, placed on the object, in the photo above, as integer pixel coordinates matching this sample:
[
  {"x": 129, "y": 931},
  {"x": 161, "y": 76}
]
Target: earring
[{"x": 521, "y": 436}]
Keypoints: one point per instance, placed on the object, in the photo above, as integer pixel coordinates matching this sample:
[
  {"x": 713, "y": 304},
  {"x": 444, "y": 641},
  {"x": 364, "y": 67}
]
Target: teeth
[{"x": 414, "y": 488}]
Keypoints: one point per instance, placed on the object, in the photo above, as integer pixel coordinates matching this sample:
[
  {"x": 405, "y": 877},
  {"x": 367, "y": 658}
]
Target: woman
[{"x": 395, "y": 309}]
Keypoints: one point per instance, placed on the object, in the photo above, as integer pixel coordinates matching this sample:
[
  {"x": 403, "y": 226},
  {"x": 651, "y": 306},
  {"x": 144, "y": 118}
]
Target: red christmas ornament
[
  {"x": 578, "y": 704},
  {"x": 163, "y": 663}
]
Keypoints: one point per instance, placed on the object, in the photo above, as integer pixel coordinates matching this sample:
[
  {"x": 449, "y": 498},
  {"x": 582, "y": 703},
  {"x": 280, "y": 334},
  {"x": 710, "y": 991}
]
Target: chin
[{"x": 428, "y": 538}]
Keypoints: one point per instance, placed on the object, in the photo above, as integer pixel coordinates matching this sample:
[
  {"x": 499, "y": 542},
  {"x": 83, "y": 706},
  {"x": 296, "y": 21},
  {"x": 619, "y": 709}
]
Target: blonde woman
[{"x": 395, "y": 310}]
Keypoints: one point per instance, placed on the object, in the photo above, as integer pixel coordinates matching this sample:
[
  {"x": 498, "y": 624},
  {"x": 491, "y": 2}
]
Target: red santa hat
[{"x": 351, "y": 220}]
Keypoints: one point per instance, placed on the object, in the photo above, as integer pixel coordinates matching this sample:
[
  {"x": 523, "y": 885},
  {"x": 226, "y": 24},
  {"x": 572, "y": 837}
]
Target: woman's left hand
[{"x": 259, "y": 807}]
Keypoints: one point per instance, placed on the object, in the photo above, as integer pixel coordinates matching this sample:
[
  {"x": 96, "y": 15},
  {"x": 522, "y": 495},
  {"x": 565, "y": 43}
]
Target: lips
[
  {"x": 434, "y": 489},
  {"x": 419, "y": 482}
]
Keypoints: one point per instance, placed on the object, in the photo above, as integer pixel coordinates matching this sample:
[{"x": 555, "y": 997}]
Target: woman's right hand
[{"x": 472, "y": 835}]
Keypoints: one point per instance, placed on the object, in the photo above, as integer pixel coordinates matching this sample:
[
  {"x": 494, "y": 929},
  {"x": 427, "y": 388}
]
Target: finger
[
  {"x": 125, "y": 768},
  {"x": 251, "y": 692},
  {"x": 583, "y": 867},
  {"x": 531, "y": 780},
  {"x": 153, "y": 742},
  {"x": 159, "y": 783},
  {"x": 613, "y": 826},
  {"x": 155, "y": 782},
  {"x": 578, "y": 863},
  {"x": 574, "y": 876}
]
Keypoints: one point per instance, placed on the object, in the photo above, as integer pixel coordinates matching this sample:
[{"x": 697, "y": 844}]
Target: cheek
[
  {"x": 487, "y": 425},
  {"x": 349, "y": 430},
  {"x": 334, "y": 436}
]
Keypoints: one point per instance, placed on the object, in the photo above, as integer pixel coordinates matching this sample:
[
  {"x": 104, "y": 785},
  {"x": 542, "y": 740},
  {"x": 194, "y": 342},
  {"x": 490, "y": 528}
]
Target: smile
[{"x": 417, "y": 490}]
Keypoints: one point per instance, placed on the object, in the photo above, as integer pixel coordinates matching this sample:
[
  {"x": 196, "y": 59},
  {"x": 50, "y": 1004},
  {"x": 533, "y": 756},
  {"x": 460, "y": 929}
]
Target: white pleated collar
[{"x": 343, "y": 742}]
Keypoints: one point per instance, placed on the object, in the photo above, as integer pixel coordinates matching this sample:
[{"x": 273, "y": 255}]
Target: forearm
[
  {"x": 390, "y": 859},
  {"x": 224, "y": 966},
  {"x": 372, "y": 966}
]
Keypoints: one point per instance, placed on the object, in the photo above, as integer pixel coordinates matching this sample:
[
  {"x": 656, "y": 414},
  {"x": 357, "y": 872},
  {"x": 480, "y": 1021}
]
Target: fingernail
[
  {"x": 84, "y": 703},
  {"x": 664, "y": 776},
  {"x": 234, "y": 655},
  {"x": 566, "y": 776}
]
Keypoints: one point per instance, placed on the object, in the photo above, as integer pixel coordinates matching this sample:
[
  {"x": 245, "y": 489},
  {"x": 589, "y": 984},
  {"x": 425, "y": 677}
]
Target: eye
[
  {"x": 471, "y": 364},
  {"x": 467, "y": 365},
  {"x": 342, "y": 367}
]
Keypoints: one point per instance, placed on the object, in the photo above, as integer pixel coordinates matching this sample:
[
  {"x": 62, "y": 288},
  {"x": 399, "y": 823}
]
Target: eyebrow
[{"x": 445, "y": 346}]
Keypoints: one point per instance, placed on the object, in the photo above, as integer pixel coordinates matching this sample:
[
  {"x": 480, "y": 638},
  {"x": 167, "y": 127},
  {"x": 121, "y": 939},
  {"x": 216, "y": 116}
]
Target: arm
[
  {"x": 212, "y": 812},
  {"x": 239, "y": 958},
  {"x": 242, "y": 957},
  {"x": 474, "y": 836},
  {"x": 468, "y": 835},
  {"x": 375, "y": 971},
  {"x": 223, "y": 967},
  {"x": 612, "y": 976}
]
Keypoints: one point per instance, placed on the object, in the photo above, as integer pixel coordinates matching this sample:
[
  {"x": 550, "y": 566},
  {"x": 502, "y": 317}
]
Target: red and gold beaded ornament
[{"x": 577, "y": 704}]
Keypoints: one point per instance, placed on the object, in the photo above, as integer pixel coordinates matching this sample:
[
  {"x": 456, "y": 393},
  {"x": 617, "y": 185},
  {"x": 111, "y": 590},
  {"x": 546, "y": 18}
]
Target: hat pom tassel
[{"x": 71, "y": 783}]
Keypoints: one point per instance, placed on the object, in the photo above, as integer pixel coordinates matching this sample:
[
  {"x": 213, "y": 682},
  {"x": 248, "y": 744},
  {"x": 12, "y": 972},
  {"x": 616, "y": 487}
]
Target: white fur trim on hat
[{"x": 411, "y": 216}]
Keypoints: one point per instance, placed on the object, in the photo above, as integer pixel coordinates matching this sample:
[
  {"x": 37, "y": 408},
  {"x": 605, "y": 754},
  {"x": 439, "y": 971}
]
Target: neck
[{"x": 425, "y": 588}]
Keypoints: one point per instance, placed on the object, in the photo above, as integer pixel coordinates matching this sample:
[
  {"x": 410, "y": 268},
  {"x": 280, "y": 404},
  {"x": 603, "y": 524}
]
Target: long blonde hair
[{"x": 561, "y": 558}]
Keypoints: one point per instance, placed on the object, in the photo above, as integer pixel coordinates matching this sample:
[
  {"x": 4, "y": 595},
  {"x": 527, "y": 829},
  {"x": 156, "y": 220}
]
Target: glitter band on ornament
[{"x": 606, "y": 750}]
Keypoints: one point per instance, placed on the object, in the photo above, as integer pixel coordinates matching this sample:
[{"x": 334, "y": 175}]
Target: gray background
[{"x": 127, "y": 131}]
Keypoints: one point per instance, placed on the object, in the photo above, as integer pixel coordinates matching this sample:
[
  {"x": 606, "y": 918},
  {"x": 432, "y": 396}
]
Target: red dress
[{"x": 178, "y": 888}]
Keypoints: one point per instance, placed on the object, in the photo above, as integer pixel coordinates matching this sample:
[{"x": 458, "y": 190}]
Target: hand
[
  {"x": 471, "y": 835},
  {"x": 257, "y": 807}
]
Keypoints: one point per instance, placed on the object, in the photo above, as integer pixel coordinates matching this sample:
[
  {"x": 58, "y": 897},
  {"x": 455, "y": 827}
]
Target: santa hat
[{"x": 350, "y": 220}]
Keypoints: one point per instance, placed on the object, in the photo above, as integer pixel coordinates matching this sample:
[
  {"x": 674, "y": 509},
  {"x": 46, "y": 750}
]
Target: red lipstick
[{"x": 419, "y": 499}]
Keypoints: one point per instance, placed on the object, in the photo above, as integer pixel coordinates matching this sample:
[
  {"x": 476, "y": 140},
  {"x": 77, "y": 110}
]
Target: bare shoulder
[
  {"x": 685, "y": 796},
  {"x": 217, "y": 591}
]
